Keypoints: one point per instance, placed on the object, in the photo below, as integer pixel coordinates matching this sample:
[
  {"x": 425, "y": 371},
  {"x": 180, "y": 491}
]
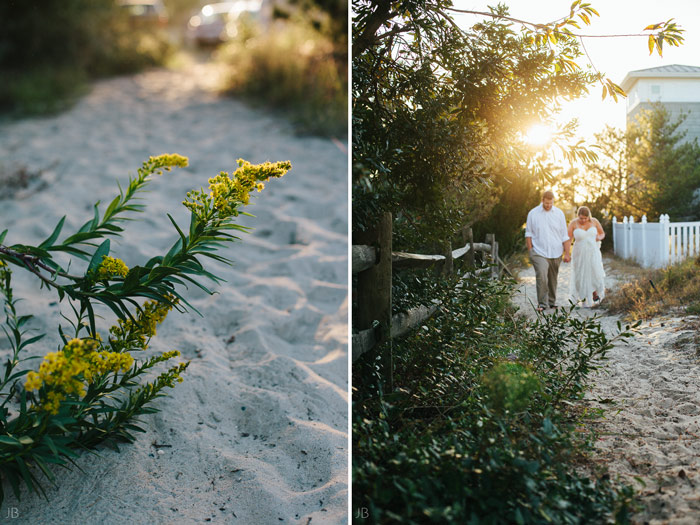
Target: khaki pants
[{"x": 546, "y": 274}]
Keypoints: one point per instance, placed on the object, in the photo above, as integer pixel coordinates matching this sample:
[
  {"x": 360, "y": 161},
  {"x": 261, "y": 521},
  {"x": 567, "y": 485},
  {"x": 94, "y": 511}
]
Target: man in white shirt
[{"x": 547, "y": 239}]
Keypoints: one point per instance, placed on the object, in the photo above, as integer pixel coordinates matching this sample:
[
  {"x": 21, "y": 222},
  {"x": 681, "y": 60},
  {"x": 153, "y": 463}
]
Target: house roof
[{"x": 671, "y": 71}]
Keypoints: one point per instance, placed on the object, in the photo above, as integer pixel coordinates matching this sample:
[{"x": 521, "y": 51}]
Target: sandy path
[
  {"x": 651, "y": 430},
  {"x": 257, "y": 432}
]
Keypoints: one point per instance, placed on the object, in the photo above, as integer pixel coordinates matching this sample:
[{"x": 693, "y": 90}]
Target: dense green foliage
[
  {"x": 439, "y": 113},
  {"x": 49, "y": 49},
  {"x": 90, "y": 390},
  {"x": 479, "y": 427}
]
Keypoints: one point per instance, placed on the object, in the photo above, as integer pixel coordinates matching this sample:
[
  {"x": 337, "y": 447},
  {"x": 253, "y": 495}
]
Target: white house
[{"x": 676, "y": 87}]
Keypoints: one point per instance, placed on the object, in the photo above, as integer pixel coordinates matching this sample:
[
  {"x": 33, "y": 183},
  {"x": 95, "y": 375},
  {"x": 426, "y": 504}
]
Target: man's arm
[
  {"x": 567, "y": 249},
  {"x": 528, "y": 232},
  {"x": 566, "y": 237}
]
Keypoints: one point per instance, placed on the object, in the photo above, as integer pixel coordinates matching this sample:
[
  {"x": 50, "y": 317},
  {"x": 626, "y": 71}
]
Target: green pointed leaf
[
  {"x": 56, "y": 232},
  {"x": 101, "y": 252}
]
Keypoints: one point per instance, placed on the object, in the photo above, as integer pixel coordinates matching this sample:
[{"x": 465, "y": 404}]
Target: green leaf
[
  {"x": 36, "y": 458},
  {"x": 112, "y": 206},
  {"x": 182, "y": 235},
  {"x": 102, "y": 251},
  {"x": 25, "y": 474},
  {"x": 32, "y": 340},
  {"x": 2, "y": 236},
  {"x": 177, "y": 247},
  {"x": 14, "y": 482},
  {"x": 49, "y": 442},
  {"x": 56, "y": 232},
  {"x": 7, "y": 440}
]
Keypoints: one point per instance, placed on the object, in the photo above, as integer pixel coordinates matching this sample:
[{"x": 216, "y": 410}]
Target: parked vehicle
[
  {"x": 146, "y": 11},
  {"x": 217, "y": 23}
]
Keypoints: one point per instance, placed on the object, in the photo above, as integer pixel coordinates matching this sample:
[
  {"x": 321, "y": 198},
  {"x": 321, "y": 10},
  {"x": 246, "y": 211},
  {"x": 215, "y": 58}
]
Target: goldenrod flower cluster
[
  {"x": 111, "y": 267},
  {"x": 227, "y": 194},
  {"x": 130, "y": 335},
  {"x": 163, "y": 162},
  {"x": 65, "y": 372}
]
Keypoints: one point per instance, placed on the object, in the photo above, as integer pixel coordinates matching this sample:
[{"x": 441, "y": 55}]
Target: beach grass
[
  {"x": 311, "y": 87},
  {"x": 649, "y": 293}
]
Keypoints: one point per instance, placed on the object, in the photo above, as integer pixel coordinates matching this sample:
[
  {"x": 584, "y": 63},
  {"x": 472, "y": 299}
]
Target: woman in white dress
[{"x": 588, "y": 275}]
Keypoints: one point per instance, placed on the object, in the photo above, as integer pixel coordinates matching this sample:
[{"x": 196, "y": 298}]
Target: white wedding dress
[{"x": 587, "y": 270}]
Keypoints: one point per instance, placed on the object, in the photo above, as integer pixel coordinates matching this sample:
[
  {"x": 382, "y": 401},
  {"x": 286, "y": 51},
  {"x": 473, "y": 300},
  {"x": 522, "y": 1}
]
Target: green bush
[
  {"x": 510, "y": 387},
  {"x": 292, "y": 67},
  {"x": 477, "y": 429},
  {"x": 49, "y": 52}
]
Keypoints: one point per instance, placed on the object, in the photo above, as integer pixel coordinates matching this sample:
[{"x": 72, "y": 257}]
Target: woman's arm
[
  {"x": 601, "y": 233},
  {"x": 572, "y": 226}
]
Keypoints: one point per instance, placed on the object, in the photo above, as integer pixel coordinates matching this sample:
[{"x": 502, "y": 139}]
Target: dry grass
[{"x": 648, "y": 293}]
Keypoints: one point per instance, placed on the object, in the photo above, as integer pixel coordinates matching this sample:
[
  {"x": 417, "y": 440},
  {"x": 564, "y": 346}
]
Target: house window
[{"x": 655, "y": 89}]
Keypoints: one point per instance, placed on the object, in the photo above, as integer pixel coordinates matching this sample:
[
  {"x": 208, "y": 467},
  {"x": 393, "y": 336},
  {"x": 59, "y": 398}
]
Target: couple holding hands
[{"x": 548, "y": 238}]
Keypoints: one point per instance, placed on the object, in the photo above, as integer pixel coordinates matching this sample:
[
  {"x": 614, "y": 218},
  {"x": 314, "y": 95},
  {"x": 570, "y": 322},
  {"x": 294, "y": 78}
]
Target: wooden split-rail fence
[{"x": 373, "y": 262}]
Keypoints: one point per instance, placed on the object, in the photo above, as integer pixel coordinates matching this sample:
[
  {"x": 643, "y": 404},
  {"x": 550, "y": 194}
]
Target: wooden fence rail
[{"x": 373, "y": 262}]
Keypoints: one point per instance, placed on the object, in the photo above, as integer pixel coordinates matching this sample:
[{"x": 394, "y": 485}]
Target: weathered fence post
[
  {"x": 496, "y": 269},
  {"x": 493, "y": 258},
  {"x": 374, "y": 291},
  {"x": 448, "y": 265},
  {"x": 470, "y": 255}
]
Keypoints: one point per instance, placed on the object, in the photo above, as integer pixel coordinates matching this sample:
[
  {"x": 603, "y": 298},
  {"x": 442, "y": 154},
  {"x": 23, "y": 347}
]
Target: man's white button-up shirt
[{"x": 548, "y": 231}]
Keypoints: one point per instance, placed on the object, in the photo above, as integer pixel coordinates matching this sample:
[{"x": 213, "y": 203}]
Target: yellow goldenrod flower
[
  {"x": 33, "y": 381},
  {"x": 130, "y": 335},
  {"x": 163, "y": 162},
  {"x": 111, "y": 267},
  {"x": 65, "y": 372},
  {"x": 228, "y": 193}
]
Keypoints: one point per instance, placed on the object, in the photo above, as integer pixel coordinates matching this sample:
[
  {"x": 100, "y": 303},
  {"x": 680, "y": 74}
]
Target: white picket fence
[{"x": 655, "y": 244}]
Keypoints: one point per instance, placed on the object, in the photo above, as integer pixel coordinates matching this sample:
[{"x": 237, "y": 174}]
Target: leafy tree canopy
[{"x": 439, "y": 111}]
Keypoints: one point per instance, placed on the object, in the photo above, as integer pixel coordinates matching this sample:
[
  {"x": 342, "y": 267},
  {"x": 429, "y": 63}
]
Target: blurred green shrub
[
  {"x": 510, "y": 387},
  {"x": 295, "y": 68},
  {"x": 49, "y": 50}
]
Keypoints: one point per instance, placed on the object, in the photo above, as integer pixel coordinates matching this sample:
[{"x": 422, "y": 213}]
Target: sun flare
[{"x": 539, "y": 135}]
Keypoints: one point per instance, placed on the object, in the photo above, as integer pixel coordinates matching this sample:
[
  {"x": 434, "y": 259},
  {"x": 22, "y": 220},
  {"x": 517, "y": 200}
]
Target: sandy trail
[
  {"x": 651, "y": 430},
  {"x": 257, "y": 432}
]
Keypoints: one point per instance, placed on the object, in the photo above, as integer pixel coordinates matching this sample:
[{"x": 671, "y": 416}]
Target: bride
[{"x": 588, "y": 275}]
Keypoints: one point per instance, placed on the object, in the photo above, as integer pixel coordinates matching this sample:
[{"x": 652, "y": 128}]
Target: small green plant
[
  {"x": 90, "y": 390},
  {"x": 510, "y": 386}
]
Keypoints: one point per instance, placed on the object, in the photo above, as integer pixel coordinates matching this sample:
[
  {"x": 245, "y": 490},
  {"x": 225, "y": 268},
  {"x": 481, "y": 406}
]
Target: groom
[{"x": 547, "y": 238}]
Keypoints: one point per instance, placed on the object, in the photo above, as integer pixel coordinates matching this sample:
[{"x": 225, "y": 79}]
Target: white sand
[
  {"x": 651, "y": 429},
  {"x": 257, "y": 432}
]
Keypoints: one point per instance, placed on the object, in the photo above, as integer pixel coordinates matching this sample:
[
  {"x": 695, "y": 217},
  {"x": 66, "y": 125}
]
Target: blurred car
[
  {"x": 217, "y": 23},
  {"x": 145, "y": 11}
]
